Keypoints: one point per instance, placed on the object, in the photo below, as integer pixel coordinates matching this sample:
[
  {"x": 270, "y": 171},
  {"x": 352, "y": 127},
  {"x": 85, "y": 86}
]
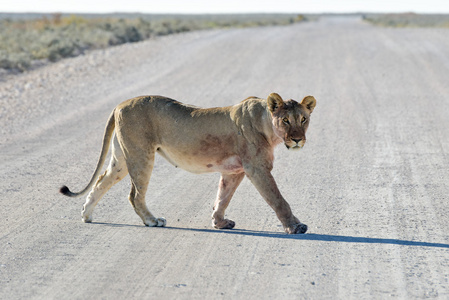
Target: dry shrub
[{"x": 57, "y": 36}]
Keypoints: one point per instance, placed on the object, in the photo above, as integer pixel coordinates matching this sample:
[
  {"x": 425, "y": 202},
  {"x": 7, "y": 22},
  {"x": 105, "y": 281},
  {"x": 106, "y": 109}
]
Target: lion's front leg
[
  {"x": 267, "y": 187},
  {"x": 226, "y": 188}
]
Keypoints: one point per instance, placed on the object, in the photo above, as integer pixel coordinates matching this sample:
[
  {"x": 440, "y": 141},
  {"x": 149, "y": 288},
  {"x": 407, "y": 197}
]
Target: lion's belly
[{"x": 202, "y": 163}]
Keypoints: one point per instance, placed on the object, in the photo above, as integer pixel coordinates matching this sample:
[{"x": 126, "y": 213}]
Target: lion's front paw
[
  {"x": 156, "y": 222},
  {"x": 223, "y": 224},
  {"x": 296, "y": 228}
]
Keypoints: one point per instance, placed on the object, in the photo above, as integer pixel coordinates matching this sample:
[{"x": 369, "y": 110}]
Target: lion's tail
[{"x": 109, "y": 130}]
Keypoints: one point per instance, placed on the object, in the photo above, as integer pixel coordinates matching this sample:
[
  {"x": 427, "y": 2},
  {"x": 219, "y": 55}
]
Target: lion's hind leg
[
  {"x": 226, "y": 188},
  {"x": 115, "y": 172},
  {"x": 140, "y": 166}
]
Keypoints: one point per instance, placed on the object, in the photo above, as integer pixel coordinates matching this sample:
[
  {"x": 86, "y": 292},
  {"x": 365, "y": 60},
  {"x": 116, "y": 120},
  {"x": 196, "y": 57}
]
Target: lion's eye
[{"x": 285, "y": 120}]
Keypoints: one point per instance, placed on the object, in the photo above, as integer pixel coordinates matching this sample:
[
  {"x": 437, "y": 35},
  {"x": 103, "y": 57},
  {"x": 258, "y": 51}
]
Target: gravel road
[{"x": 371, "y": 182}]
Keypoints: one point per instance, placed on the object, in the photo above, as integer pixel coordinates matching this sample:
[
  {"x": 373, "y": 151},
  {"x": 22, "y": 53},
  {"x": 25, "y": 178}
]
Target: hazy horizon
[{"x": 226, "y": 7}]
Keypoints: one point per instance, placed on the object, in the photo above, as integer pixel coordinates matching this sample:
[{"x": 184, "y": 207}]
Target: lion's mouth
[
  {"x": 294, "y": 148},
  {"x": 295, "y": 144}
]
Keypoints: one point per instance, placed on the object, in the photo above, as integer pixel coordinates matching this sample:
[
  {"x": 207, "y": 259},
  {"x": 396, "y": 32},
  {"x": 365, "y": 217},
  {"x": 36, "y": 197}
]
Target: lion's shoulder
[{"x": 251, "y": 98}]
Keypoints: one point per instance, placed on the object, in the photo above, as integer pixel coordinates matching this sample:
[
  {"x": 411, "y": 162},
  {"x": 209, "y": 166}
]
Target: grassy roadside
[
  {"x": 408, "y": 20},
  {"x": 25, "y": 40}
]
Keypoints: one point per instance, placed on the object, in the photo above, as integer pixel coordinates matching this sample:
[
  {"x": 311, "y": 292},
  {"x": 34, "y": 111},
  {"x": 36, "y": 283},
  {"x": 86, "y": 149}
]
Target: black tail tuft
[{"x": 65, "y": 190}]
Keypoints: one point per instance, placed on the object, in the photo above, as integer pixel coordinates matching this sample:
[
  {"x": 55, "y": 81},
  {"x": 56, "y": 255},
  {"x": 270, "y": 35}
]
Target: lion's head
[{"x": 291, "y": 119}]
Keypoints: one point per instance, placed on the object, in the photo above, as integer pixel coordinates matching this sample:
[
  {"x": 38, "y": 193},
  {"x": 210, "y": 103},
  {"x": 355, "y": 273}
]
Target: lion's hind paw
[
  {"x": 161, "y": 222},
  {"x": 157, "y": 222}
]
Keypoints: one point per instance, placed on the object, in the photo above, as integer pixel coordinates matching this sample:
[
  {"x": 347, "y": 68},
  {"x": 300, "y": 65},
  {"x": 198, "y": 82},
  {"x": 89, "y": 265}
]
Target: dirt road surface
[{"x": 372, "y": 182}]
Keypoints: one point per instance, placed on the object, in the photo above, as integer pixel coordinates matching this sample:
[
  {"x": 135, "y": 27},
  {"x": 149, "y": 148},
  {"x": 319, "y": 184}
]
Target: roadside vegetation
[
  {"x": 27, "y": 39},
  {"x": 408, "y": 20}
]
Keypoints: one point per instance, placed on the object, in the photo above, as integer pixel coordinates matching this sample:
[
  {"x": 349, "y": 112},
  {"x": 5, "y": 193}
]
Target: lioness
[{"x": 236, "y": 141}]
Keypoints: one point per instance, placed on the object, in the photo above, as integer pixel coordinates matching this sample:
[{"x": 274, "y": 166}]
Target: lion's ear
[
  {"x": 309, "y": 102},
  {"x": 274, "y": 102}
]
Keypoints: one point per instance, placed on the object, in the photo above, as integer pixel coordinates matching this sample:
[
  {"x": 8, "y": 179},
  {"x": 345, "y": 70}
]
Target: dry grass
[
  {"x": 408, "y": 20},
  {"x": 25, "y": 40}
]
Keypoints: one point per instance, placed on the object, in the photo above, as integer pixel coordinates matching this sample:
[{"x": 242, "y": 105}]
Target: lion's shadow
[{"x": 301, "y": 237}]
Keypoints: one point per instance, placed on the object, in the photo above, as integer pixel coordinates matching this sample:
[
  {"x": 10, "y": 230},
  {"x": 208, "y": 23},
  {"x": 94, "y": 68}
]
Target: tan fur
[{"x": 236, "y": 141}]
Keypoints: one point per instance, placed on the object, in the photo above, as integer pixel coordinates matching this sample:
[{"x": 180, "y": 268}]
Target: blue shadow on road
[
  {"x": 300, "y": 237},
  {"x": 321, "y": 237}
]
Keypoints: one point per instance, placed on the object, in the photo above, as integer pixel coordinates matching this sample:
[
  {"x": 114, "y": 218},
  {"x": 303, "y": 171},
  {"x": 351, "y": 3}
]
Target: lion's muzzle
[{"x": 295, "y": 144}]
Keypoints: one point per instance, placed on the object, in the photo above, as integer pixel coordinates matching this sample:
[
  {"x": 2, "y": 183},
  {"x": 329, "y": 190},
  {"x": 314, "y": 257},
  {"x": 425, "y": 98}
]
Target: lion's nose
[{"x": 296, "y": 140}]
